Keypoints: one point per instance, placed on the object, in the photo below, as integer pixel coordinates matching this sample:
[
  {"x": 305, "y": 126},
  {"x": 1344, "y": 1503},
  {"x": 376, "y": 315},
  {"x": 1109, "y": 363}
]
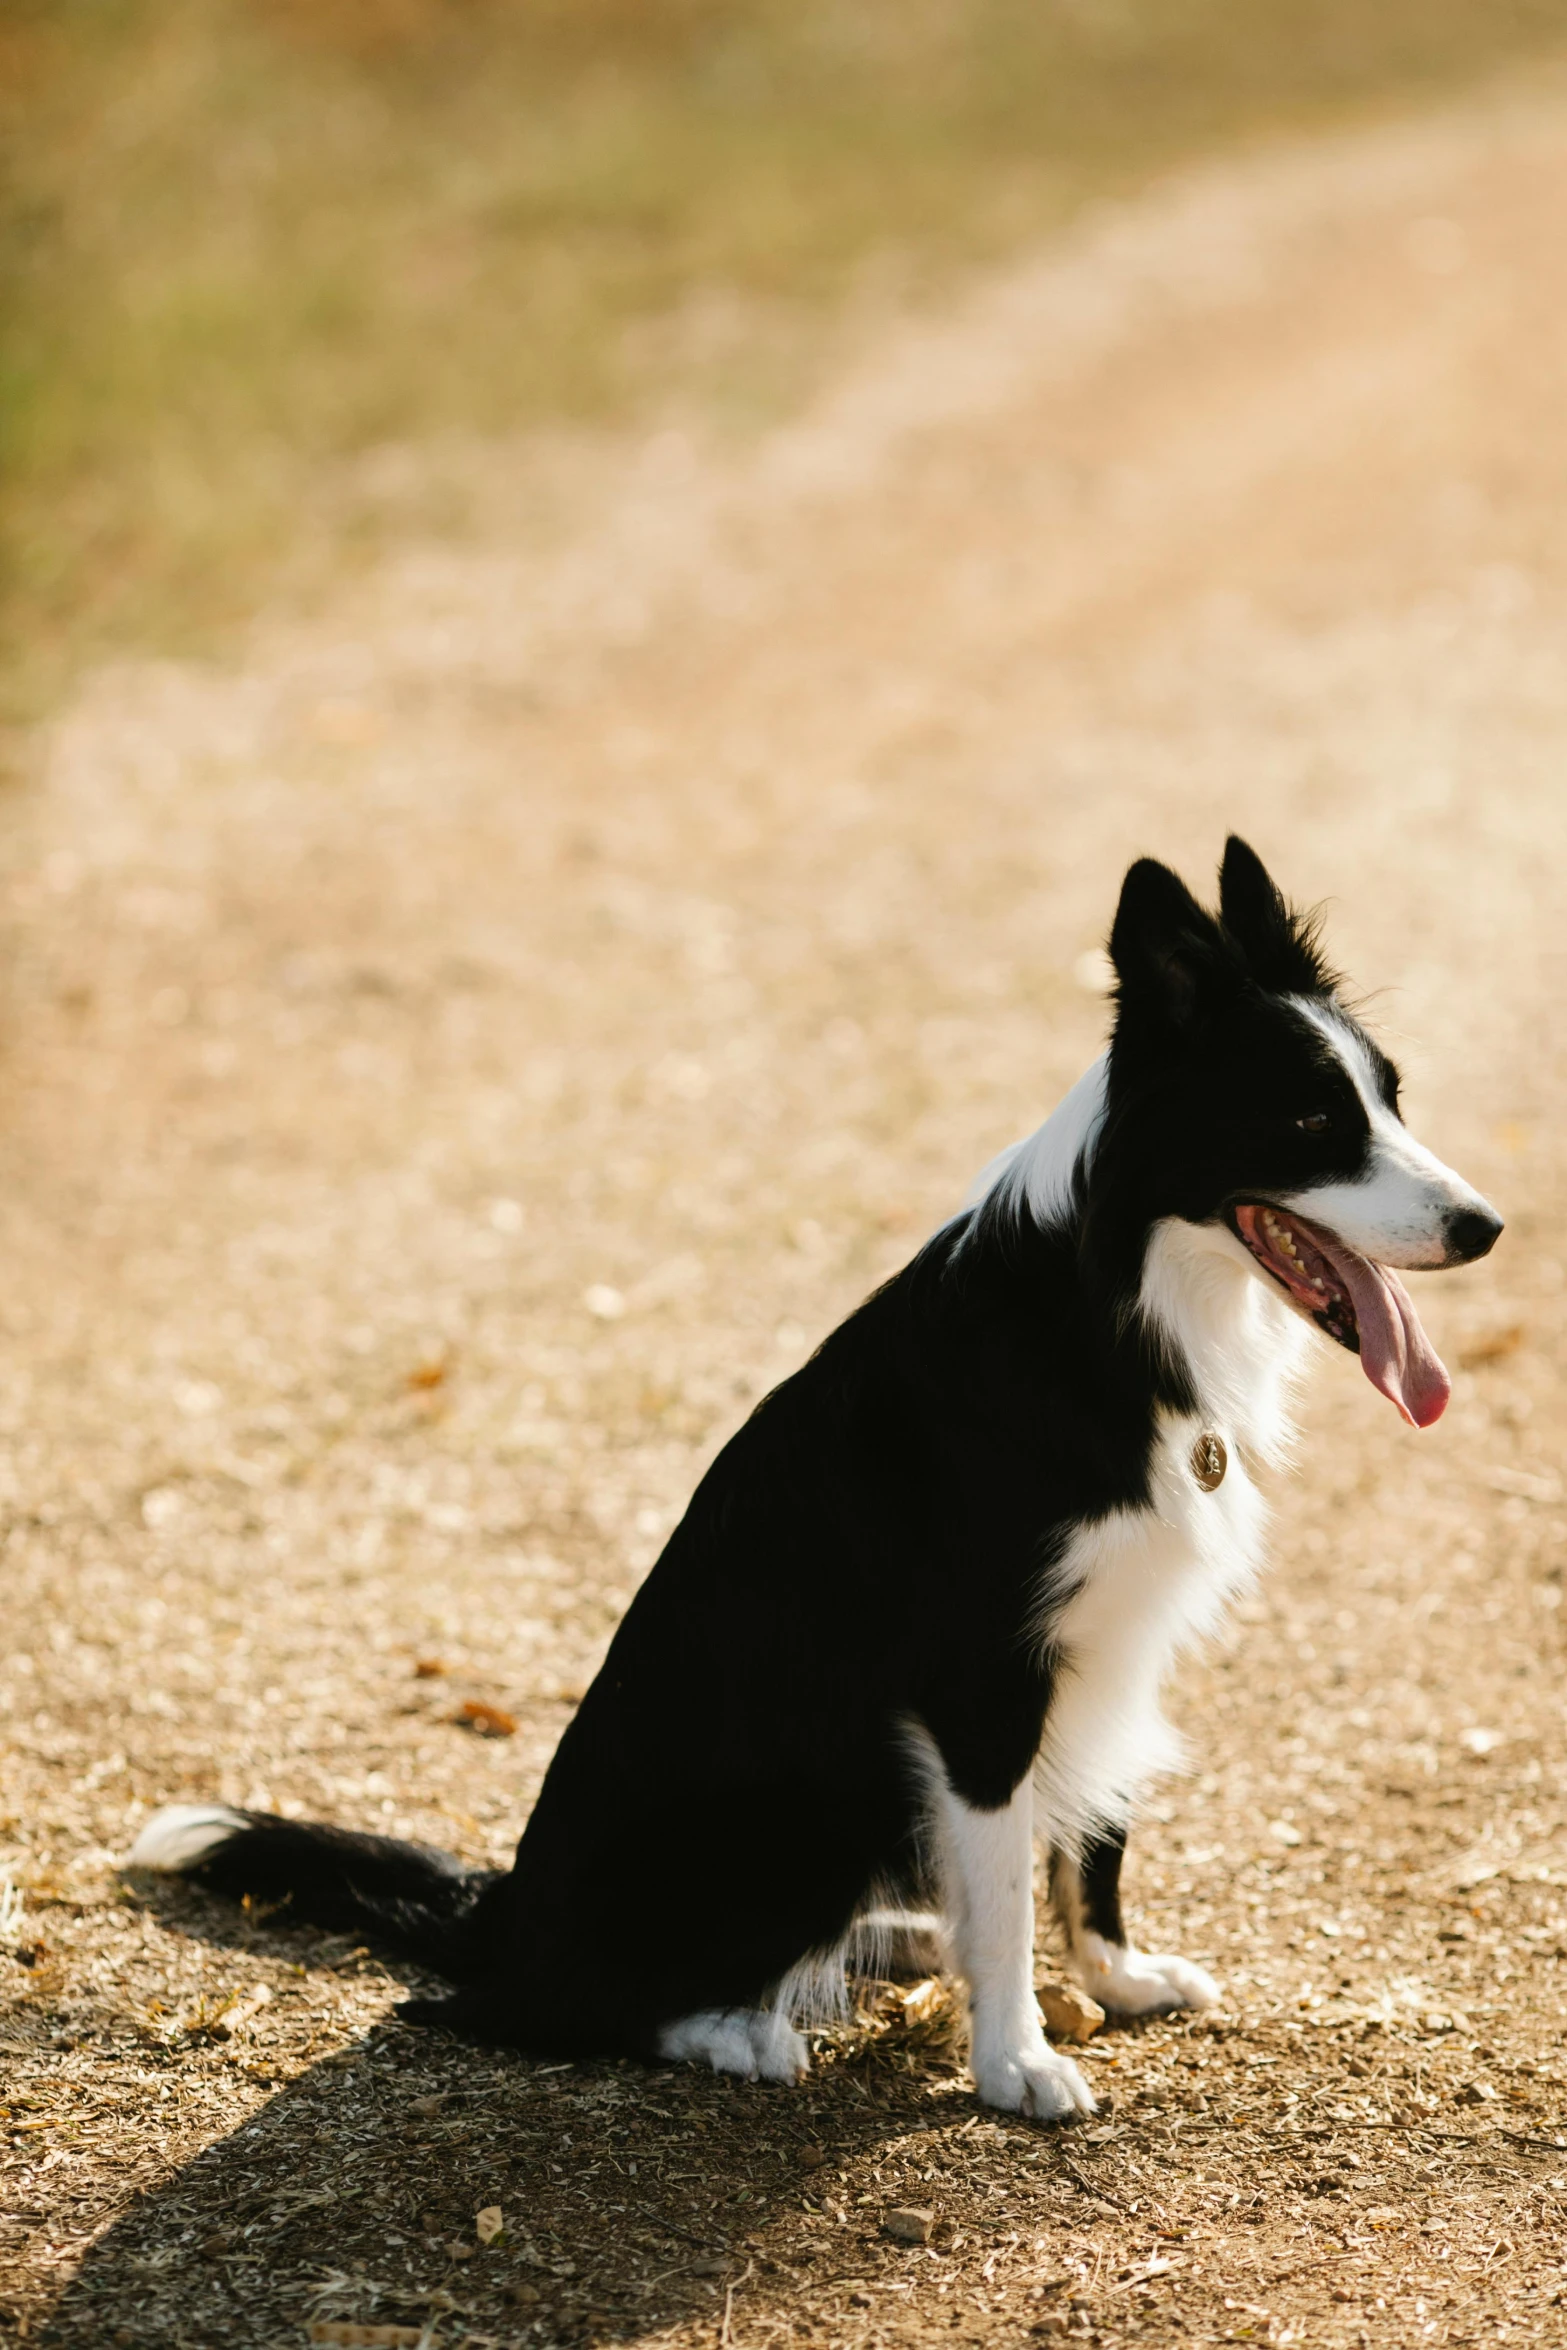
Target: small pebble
[{"x": 908, "y": 2227}]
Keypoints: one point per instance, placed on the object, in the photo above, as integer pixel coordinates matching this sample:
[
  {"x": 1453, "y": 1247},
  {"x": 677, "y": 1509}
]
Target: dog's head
[{"x": 1243, "y": 1094}]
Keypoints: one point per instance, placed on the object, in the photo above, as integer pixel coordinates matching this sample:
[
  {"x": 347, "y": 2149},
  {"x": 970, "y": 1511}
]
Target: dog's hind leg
[
  {"x": 897, "y": 1945},
  {"x": 758, "y": 2043},
  {"x": 1086, "y": 1897}
]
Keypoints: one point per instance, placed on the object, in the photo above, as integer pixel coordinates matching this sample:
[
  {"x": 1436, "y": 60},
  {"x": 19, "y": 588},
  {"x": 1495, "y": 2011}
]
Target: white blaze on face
[
  {"x": 1332, "y": 1246},
  {"x": 1397, "y": 1210}
]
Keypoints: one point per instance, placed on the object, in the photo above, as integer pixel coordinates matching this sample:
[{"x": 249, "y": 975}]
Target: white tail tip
[{"x": 182, "y": 1834}]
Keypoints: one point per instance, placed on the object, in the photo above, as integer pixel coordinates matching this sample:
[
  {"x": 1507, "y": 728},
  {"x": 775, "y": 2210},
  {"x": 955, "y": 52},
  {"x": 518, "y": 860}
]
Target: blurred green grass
[{"x": 242, "y": 242}]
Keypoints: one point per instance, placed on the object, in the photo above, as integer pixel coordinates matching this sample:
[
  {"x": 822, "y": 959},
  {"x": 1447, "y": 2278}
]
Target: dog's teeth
[{"x": 1317, "y": 1281}]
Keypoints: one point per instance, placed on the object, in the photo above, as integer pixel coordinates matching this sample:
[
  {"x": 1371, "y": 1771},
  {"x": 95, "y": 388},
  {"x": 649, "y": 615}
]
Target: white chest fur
[{"x": 1137, "y": 1586}]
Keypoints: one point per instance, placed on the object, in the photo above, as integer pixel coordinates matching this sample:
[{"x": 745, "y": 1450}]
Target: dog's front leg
[{"x": 989, "y": 1869}]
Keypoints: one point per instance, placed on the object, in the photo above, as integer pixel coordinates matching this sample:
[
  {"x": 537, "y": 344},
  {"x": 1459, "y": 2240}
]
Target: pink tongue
[{"x": 1395, "y": 1353}]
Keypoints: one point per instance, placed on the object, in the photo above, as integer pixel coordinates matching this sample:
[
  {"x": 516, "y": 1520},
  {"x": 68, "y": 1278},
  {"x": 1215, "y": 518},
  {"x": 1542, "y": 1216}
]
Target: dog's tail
[{"x": 420, "y": 1902}]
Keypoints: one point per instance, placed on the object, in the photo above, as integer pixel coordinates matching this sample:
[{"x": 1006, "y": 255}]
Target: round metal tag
[{"x": 1209, "y": 1461}]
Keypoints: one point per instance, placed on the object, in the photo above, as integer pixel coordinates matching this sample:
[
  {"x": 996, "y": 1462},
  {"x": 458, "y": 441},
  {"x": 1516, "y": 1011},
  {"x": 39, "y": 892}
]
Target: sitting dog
[{"x": 919, "y": 1608}]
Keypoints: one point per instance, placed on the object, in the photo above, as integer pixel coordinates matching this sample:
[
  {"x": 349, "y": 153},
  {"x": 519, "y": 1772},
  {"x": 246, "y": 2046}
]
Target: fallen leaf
[
  {"x": 1069, "y": 2012},
  {"x": 1490, "y": 1347},
  {"x": 1140, "y": 2275},
  {"x": 491, "y": 1721},
  {"x": 924, "y": 2002},
  {"x": 489, "y": 2224},
  {"x": 237, "y": 2018}
]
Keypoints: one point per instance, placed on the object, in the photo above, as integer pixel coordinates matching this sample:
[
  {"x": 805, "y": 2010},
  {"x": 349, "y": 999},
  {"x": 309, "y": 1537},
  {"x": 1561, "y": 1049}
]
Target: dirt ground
[{"x": 461, "y": 1055}]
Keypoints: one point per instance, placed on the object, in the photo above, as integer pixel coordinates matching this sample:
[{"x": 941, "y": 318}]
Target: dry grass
[{"x": 256, "y": 252}]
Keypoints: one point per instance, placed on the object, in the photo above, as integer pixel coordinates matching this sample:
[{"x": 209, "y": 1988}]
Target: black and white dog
[{"x": 920, "y": 1607}]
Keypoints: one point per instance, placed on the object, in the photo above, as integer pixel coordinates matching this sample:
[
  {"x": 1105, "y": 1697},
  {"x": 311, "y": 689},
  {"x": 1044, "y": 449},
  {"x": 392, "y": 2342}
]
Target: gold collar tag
[{"x": 1209, "y": 1460}]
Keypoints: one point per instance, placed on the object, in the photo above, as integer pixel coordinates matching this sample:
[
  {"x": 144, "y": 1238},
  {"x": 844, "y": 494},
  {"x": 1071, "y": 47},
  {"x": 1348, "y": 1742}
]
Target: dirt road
[{"x": 457, "y": 1058}]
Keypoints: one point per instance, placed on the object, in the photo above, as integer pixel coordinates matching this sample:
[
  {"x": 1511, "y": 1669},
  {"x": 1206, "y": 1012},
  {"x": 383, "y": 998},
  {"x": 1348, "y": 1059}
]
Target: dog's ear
[
  {"x": 1279, "y": 946},
  {"x": 1165, "y": 947}
]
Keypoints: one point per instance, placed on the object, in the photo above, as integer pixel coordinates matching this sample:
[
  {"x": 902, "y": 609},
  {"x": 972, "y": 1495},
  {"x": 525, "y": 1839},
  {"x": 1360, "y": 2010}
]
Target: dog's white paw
[
  {"x": 757, "y": 2043},
  {"x": 1143, "y": 1982},
  {"x": 780, "y": 2052},
  {"x": 1035, "y": 2082},
  {"x": 719, "y": 2036}
]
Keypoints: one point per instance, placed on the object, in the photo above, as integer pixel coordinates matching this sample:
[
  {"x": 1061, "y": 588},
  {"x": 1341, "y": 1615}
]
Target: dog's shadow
[{"x": 412, "y": 2179}]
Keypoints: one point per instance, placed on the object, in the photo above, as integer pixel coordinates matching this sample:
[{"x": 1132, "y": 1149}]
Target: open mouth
[{"x": 1356, "y": 1301}]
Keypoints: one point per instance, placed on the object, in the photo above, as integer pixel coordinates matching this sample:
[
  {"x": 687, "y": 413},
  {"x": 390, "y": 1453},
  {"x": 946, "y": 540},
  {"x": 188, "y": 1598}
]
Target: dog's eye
[{"x": 1317, "y": 1122}]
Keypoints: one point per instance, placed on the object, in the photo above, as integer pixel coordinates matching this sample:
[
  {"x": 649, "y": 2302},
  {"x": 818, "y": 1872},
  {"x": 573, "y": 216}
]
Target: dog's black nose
[{"x": 1471, "y": 1233}]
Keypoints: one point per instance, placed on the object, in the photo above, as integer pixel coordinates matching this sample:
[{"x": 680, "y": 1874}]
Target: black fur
[
  {"x": 415, "y": 1899},
  {"x": 1087, "y": 1893}
]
